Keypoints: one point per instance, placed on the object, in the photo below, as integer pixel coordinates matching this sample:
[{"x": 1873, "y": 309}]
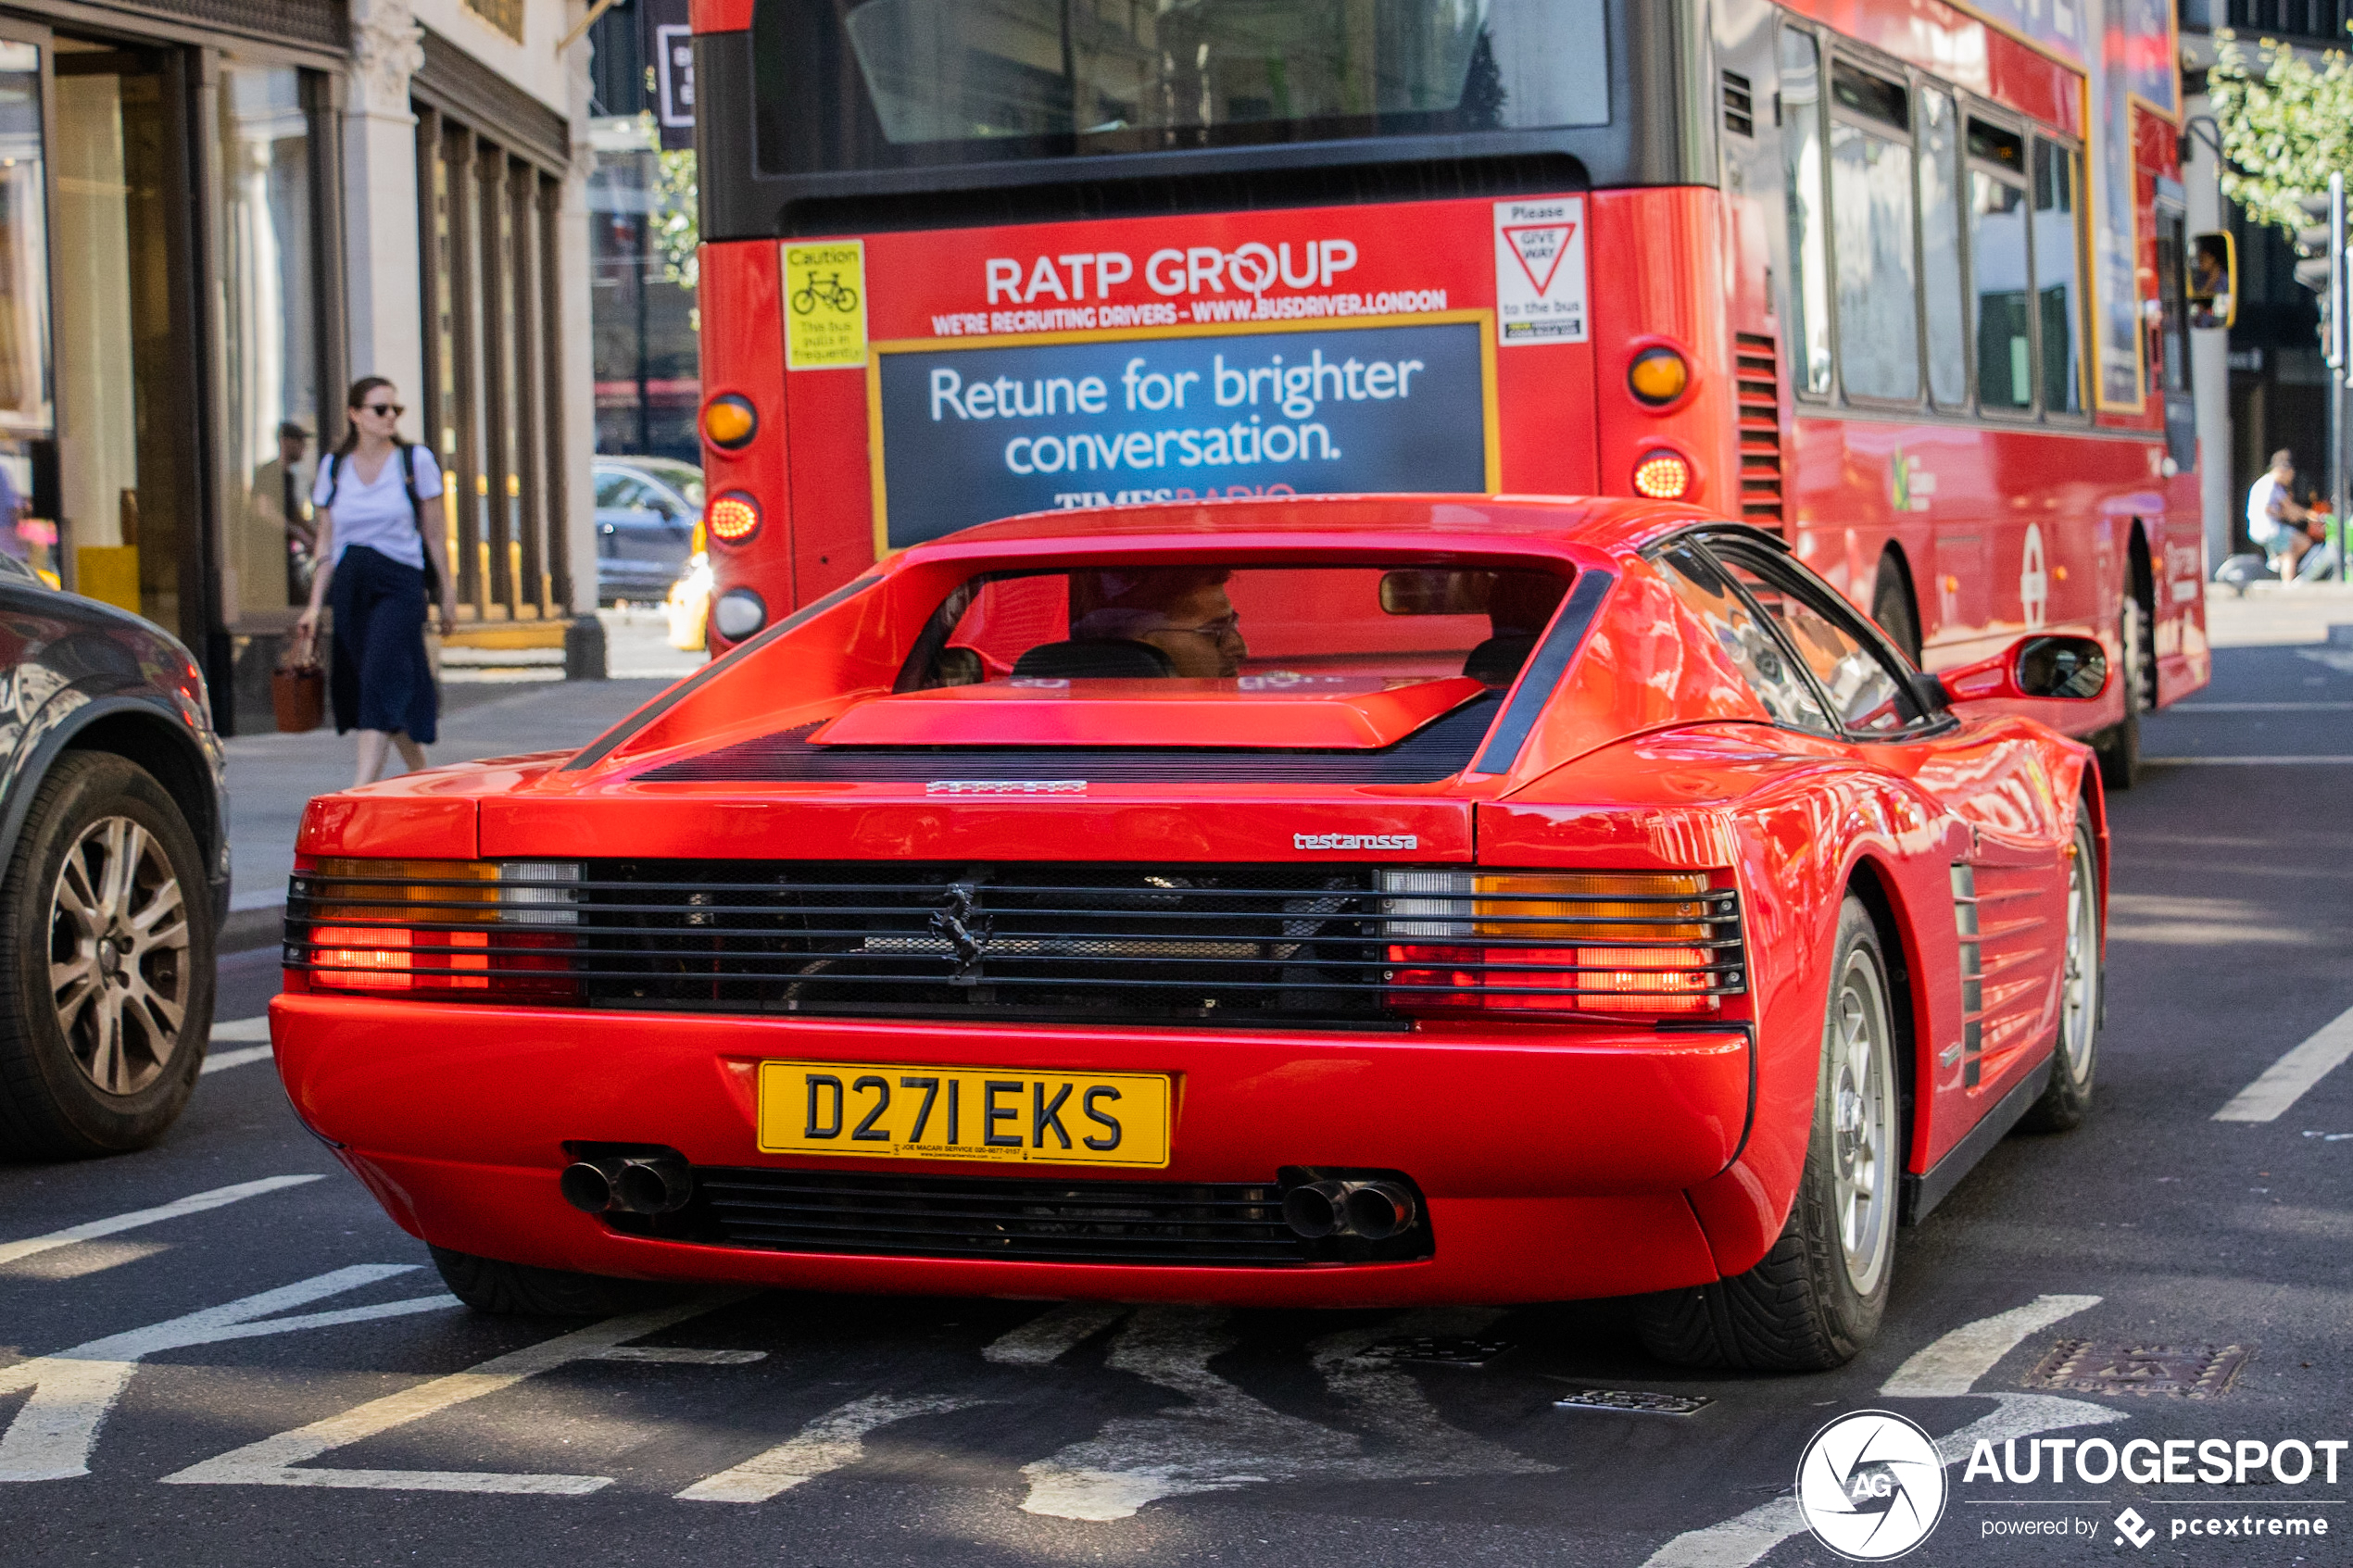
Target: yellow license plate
[{"x": 1013, "y": 1114}]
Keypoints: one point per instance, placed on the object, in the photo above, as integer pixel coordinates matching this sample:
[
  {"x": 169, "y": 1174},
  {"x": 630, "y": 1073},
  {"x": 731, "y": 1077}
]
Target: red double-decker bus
[{"x": 1901, "y": 279}]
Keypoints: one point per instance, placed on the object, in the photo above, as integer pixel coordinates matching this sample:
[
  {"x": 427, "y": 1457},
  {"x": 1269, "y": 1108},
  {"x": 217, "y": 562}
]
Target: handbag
[{"x": 298, "y": 688}]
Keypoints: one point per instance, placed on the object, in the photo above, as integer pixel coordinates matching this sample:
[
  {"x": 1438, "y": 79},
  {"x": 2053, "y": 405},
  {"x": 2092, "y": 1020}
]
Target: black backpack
[{"x": 400, "y": 450}]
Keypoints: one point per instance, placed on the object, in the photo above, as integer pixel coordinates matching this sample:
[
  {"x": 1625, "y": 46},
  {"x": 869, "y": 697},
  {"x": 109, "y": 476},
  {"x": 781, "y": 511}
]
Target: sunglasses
[{"x": 390, "y": 410}]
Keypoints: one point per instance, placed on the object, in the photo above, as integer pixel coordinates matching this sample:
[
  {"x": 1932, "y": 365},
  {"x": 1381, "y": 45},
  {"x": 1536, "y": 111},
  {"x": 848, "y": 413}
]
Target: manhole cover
[
  {"x": 1435, "y": 1350},
  {"x": 2187, "y": 1371},
  {"x": 1633, "y": 1400}
]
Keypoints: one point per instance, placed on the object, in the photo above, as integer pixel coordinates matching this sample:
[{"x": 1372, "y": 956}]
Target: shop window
[
  {"x": 271, "y": 362},
  {"x": 25, "y": 412}
]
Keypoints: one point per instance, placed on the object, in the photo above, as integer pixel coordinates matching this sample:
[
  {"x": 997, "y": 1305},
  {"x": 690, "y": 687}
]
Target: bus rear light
[
  {"x": 739, "y": 614},
  {"x": 1662, "y": 476},
  {"x": 733, "y": 519},
  {"x": 1657, "y": 377},
  {"x": 729, "y": 422}
]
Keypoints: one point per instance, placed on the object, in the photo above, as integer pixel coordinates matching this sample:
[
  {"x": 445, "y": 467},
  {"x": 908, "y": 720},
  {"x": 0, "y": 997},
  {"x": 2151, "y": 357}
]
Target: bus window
[
  {"x": 1941, "y": 252},
  {"x": 1809, "y": 265},
  {"x": 1879, "y": 322},
  {"x": 1997, "y": 268},
  {"x": 847, "y": 85},
  {"x": 2057, "y": 271}
]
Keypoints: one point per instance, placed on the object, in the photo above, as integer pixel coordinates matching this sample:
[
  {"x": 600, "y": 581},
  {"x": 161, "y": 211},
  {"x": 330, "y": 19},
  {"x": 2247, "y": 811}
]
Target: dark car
[
  {"x": 646, "y": 508},
  {"x": 113, "y": 838}
]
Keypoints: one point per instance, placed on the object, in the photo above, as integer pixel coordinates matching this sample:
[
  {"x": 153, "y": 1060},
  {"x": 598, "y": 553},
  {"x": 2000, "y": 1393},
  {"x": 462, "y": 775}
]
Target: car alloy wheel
[
  {"x": 2079, "y": 990},
  {"x": 118, "y": 955},
  {"x": 1863, "y": 1122}
]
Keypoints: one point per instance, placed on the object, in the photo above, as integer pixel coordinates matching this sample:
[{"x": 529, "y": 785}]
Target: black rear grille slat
[
  {"x": 1285, "y": 945},
  {"x": 1439, "y": 750},
  {"x": 1147, "y": 1222}
]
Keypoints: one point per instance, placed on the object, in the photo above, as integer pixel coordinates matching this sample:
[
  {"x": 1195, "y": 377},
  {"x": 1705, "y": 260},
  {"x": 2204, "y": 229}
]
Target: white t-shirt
[
  {"x": 377, "y": 515},
  {"x": 2261, "y": 526}
]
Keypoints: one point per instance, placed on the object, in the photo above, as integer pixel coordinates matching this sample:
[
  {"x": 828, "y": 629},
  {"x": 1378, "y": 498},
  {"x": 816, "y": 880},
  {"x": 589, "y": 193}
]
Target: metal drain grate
[
  {"x": 1635, "y": 1400},
  {"x": 2185, "y": 1372}
]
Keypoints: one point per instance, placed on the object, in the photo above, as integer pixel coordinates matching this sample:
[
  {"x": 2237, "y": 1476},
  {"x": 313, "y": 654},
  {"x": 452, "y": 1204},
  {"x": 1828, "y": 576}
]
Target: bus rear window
[{"x": 853, "y": 84}]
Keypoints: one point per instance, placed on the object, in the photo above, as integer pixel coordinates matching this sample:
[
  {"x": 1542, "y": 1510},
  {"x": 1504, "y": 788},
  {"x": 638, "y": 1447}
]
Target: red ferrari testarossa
[{"x": 1340, "y": 902}]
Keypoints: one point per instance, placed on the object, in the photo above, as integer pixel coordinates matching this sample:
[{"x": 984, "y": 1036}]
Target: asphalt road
[{"x": 277, "y": 1379}]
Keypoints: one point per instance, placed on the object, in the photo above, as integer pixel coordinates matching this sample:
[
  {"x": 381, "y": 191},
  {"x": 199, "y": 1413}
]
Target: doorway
[{"x": 128, "y": 390}]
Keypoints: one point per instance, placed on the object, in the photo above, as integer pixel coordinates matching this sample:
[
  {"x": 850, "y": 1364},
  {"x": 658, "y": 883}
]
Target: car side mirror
[{"x": 2070, "y": 668}]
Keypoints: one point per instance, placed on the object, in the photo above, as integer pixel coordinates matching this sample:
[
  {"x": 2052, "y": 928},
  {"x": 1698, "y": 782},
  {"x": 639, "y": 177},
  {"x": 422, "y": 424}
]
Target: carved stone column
[{"x": 380, "y": 207}]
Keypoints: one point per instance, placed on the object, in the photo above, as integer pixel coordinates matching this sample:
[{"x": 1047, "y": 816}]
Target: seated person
[{"x": 1183, "y": 611}]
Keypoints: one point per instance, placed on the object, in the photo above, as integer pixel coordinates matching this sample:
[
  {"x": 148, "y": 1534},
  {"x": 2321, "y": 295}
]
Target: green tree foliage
[
  {"x": 675, "y": 223},
  {"x": 2287, "y": 125}
]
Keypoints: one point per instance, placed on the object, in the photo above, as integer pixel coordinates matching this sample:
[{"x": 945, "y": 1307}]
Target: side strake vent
[
  {"x": 1972, "y": 974},
  {"x": 1759, "y": 399},
  {"x": 1315, "y": 944},
  {"x": 1740, "y": 105}
]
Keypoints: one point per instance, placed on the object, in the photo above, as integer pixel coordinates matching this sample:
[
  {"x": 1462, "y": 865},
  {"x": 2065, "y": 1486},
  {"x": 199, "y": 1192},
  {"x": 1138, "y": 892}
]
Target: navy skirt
[{"x": 379, "y": 678}]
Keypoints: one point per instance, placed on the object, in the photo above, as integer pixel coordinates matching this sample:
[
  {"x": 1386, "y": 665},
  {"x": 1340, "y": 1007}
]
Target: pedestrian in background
[
  {"x": 2274, "y": 521},
  {"x": 382, "y": 555}
]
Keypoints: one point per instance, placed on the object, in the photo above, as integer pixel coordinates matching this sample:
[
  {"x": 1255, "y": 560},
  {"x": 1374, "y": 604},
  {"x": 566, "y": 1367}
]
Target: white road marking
[
  {"x": 215, "y": 1061},
  {"x": 82, "y": 1259},
  {"x": 2248, "y": 761},
  {"x": 2285, "y": 1081},
  {"x": 1223, "y": 1438},
  {"x": 2262, "y": 708},
  {"x": 1953, "y": 1364},
  {"x": 195, "y": 1203},
  {"x": 1949, "y": 1367},
  {"x": 1046, "y": 1337},
  {"x": 834, "y": 1441},
  {"x": 679, "y": 1355},
  {"x": 273, "y": 1461},
  {"x": 1740, "y": 1541},
  {"x": 238, "y": 1030},
  {"x": 72, "y": 1390}
]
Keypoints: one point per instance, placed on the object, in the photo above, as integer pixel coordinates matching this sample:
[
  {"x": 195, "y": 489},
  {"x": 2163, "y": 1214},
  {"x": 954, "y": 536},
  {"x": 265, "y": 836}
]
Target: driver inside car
[{"x": 1183, "y": 611}]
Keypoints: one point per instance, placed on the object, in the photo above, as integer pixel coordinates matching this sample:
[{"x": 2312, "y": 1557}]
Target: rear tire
[
  {"x": 106, "y": 964},
  {"x": 1816, "y": 1298},
  {"x": 503, "y": 1289},
  {"x": 2064, "y": 1105}
]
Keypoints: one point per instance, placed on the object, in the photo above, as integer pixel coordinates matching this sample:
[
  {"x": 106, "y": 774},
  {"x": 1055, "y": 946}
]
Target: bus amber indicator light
[
  {"x": 1662, "y": 476},
  {"x": 1657, "y": 377},
  {"x": 733, "y": 517},
  {"x": 729, "y": 422}
]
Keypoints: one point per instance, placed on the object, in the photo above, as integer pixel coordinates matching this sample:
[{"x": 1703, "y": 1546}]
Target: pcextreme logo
[{"x": 1870, "y": 1485}]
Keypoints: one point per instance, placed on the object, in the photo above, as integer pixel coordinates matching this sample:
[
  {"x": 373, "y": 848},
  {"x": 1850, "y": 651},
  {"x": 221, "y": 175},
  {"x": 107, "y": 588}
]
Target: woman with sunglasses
[{"x": 383, "y": 533}]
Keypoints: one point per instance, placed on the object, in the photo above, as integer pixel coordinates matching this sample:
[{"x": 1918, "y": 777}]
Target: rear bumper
[{"x": 1555, "y": 1165}]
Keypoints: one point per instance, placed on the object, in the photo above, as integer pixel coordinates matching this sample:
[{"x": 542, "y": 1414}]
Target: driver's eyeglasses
[
  {"x": 391, "y": 410},
  {"x": 1220, "y": 629}
]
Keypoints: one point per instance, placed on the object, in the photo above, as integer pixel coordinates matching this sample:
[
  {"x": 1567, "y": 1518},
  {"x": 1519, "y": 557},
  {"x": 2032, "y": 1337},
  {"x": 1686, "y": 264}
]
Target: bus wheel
[
  {"x": 1892, "y": 608},
  {"x": 2119, "y": 746}
]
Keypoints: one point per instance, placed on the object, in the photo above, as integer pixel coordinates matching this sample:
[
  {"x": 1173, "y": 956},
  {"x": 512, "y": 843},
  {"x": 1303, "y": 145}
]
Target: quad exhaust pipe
[
  {"x": 1373, "y": 1211},
  {"x": 654, "y": 1185}
]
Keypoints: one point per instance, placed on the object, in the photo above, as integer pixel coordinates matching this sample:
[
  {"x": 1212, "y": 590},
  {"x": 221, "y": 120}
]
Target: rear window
[
  {"x": 849, "y": 84},
  {"x": 1252, "y": 624}
]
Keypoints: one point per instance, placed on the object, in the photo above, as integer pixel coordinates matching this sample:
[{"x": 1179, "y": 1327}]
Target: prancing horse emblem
[{"x": 960, "y": 921}]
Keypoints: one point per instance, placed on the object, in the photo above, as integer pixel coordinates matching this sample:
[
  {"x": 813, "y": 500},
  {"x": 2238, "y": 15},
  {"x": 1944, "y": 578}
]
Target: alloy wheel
[
  {"x": 2079, "y": 999},
  {"x": 119, "y": 972},
  {"x": 1863, "y": 1121}
]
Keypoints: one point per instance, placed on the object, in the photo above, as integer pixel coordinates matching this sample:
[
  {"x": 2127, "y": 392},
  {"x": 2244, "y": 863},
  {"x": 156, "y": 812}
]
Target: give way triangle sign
[{"x": 1540, "y": 247}]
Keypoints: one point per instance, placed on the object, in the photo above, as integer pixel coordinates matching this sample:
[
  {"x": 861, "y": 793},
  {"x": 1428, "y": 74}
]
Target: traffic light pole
[{"x": 2338, "y": 328}]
